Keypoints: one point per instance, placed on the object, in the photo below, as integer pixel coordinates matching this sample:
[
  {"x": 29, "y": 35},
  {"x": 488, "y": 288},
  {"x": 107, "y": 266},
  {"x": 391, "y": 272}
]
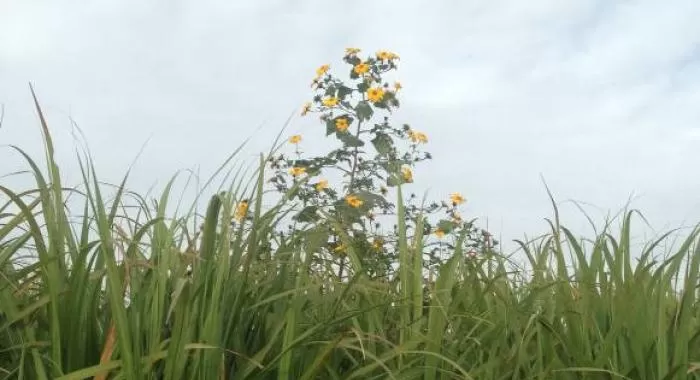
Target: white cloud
[{"x": 599, "y": 97}]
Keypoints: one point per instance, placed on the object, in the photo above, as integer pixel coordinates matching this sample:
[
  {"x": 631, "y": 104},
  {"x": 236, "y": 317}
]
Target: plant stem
[{"x": 355, "y": 154}]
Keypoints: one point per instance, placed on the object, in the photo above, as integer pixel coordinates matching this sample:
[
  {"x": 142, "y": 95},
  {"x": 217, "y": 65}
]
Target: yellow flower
[
  {"x": 330, "y": 102},
  {"x": 397, "y": 86},
  {"x": 417, "y": 137},
  {"x": 351, "y": 51},
  {"x": 377, "y": 243},
  {"x": 296, "y": 139},
  {"x": 407, "y": 174},
  {"x": 439, "y": 233},
  {"x": 297, "y": 171},
  {"x": 306, "y": 109},
  {"x": 241, "y": 211},
  {"x": 386, "y": 55},
  {"x": 353, "y": 201},
  {"x": 322, "y": 184},
  {"x": 341, "y": 124},
  {"x": 375, "y": 94},
  {"x": 322, "y": 70},
  {"x": 456, "y": 199},
  {"x": 361, "y": 68},
  {"x": 340, "y": 248}
]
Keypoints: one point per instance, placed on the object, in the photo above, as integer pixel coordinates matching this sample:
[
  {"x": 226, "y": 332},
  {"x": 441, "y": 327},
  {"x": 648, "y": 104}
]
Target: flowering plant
[{"x": 372, "y": 157}]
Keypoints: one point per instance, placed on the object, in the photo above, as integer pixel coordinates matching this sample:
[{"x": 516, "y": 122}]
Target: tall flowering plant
[{"x": 372, "y": 156}]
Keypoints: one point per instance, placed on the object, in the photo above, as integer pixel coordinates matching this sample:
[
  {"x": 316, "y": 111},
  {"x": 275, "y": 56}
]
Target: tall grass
[{"x": 117, "y": 291}]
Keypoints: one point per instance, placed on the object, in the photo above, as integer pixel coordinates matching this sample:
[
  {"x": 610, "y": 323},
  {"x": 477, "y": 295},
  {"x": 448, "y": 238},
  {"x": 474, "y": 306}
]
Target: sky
[{"x": 598, "y": 98}]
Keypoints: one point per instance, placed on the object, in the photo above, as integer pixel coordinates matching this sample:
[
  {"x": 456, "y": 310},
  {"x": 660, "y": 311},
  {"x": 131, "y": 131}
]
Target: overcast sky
[{"x": 602, "y": 98}]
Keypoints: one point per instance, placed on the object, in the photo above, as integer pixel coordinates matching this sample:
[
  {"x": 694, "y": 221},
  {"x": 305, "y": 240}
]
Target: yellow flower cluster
[
  {"x": 241, "y": 211},
  {"x": 439, "y": 233},
  {"x": 340, "y": 248},
  {"x": 417, "y": 137},
  {"x": 341, "y": 124},
  {"x": 330, "y": 102},
  {"x": 306, "y": 108},
  {"x": 407, "y": 174},
  {"x": 361, "y": 68},
  {"x": 321, "y": 185},
  {"x": 456, "y": 199},
  {"x": 322, "y": 70},
  {"x": 353, "y": 201},
  {"x": 297, "y": 171},
  {"x": 381, "y": 95},
  {"x": 378, "y": 243},
  {"x": 296, "y": 139},
  {"x": 375, "y": 94},
  {"x": 386, "y": 55}
]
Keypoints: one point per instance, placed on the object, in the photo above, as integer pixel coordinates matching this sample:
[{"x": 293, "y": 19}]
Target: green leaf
[
  {"x": 330, "y": 127},
  {"x": 349, "y": 140},
  {"x": 312, "y": 171},
  {"x": 446, "y": 225},
  {"x": 364, "y": 110},
  {"x": 394, "y": 103},
  {"x": 383, "y": 143},
  {"x": 390, "y": 99},
  {"x": 293, "y": 192},
  {"x": 330, "y": 91},
  {"x": 394, "y": 180},
  {"x": 395, "y": 177},
  {"x": 315, "y": 238},
  {"x": 344, "y": 91},
  {"x": 354, "y": 60},
  {"x": 307, "y": 215},
  {"x": 349, "y": 214},
  {"x": 330, "y": 124},
  {"x": 370, "y": 199},
  {"x": 363, "y": 87}
]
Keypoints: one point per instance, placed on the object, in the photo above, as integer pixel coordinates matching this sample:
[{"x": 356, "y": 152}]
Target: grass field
[{"x": 120, "y": 288}]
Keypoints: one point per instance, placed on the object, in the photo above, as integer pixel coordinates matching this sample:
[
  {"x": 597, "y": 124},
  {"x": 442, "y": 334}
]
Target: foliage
[
  {"x": 123, "y": 288},
  {"x": 373, "y": 156}
]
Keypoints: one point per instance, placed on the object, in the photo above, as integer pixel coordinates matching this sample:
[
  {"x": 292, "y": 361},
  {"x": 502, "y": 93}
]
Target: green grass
[{"x": 122, "y": 288}]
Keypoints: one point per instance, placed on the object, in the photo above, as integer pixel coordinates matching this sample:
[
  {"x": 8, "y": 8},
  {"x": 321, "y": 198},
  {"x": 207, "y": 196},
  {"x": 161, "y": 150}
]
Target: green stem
[{"x": 353, "y": 169}]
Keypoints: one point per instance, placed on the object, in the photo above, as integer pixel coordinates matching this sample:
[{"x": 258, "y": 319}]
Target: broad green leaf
[
  {"x": 383, "y": 143},
  {"x": 394, "y": 180},
  {"x": 344, "y": 91},
  {"x": 349, "y": 139},
  {"x": 354, "y": 60},
  {"x": 364, "y": 110},
  {"x": 370, "y": 199},
  {"x": 307, "y": 215},
  {"x": 362, "y": 87},
  {"x": 330, "y": 91},
  {"x": 330, "y": 127},
  {"x": 446, "y": 226},
  {"x": 390, "y": 99}
]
